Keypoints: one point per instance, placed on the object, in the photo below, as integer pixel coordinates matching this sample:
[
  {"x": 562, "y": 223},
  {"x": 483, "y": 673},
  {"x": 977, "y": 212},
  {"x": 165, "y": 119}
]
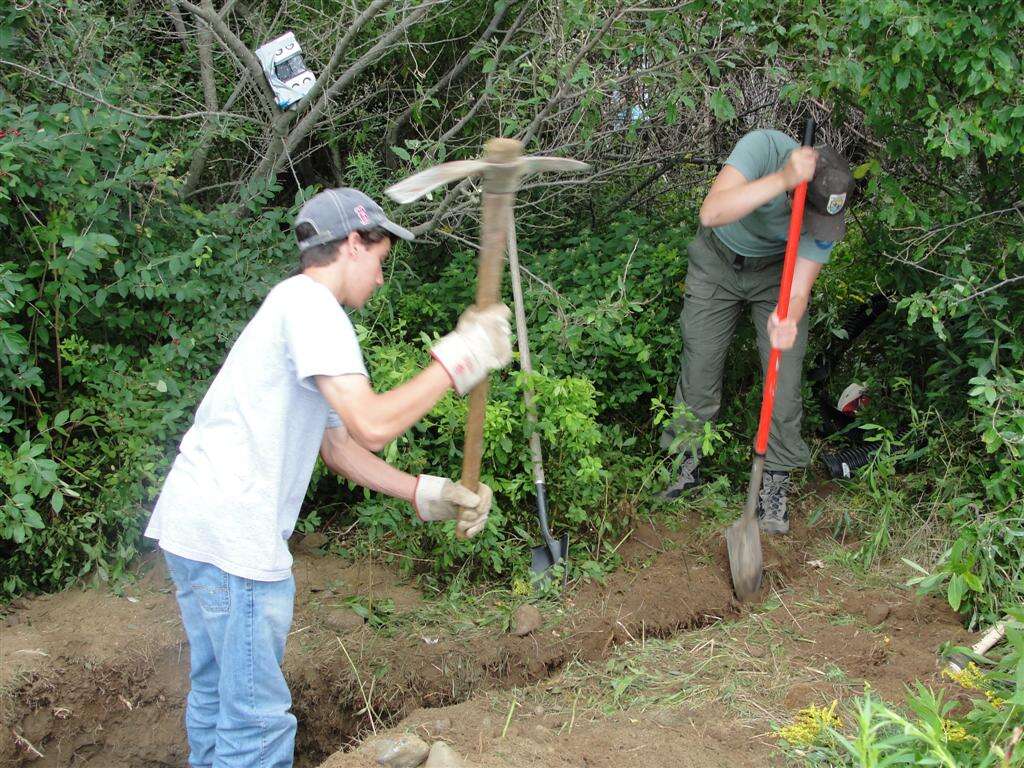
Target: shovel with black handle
[
  {"x": 743, "y": 537},
  {"x": 553, "y": 551}
]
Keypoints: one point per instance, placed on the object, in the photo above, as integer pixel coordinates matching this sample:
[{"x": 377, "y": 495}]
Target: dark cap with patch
[
  {"x": 334, "y": 213},
  {"x": 827, "y": 195}
]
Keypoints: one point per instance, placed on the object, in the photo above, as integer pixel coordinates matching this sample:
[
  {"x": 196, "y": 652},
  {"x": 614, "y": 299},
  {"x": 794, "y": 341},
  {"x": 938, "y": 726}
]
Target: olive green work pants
[{"x": 718, "y": 285}]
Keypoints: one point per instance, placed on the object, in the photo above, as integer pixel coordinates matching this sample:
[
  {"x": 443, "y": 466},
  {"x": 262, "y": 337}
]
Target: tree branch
[
  {"x": 108, "y": 105},
  {"x": 339, "y": 50},
  {"x": 464, "y": 120},
  {"x": 527, "y": 136},
  {"x": 501, "y": 8},
  {"x": 282, "y": 145},
  {"x": 234, "y": 44},
  {"x": 206, "y": 74}
]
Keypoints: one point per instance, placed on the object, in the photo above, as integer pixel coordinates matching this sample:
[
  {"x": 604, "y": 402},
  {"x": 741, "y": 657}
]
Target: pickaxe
[{"x": 502, "y": 167}]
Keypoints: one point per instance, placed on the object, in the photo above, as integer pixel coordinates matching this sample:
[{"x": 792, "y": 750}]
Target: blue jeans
[{"x": 237, "y": 711}]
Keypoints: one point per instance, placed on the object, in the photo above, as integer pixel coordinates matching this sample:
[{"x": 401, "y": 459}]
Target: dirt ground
[{"x": 658, "y": 665}]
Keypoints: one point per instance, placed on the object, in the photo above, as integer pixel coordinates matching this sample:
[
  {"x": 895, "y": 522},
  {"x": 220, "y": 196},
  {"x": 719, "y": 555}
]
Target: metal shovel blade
[
  {"x": 544, "y": 560},
  {"x": 745, "y": 560},
  {"x": 743, "y": 540}
]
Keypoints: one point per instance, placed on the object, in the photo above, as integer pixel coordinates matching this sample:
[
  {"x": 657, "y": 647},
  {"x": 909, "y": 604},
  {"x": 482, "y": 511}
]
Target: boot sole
[{"x": 676, "y": 493}]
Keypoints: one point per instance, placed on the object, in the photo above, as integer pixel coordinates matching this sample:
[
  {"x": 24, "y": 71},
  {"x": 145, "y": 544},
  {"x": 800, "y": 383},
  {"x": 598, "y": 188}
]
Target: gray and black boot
[
  {"x": 772, "y": 514},
  {"x": 688, "y": 478}
]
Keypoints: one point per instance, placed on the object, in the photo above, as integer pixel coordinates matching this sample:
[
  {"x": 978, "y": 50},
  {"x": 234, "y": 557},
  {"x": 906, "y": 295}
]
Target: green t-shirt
[{"x": 763, "y": 231}]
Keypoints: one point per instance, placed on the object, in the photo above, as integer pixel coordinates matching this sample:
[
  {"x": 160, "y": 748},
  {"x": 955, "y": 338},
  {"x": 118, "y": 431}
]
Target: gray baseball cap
[
  {"x": 334, "y": 213},
  {"x": 827, "y": 195}
]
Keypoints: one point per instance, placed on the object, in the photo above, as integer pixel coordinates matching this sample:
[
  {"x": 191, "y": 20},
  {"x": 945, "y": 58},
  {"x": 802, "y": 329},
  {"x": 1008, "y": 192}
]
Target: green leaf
[
  {"x": 722, "y": 106},
  {"x": 1002, "y": 58},
  {"x": 955, "y": 593},
  {"x": 32, "y": 518},
  {"x": 57, "y": 502},
  {"x": 60, "y": 418},
  {"x": 973, "y": 581}
]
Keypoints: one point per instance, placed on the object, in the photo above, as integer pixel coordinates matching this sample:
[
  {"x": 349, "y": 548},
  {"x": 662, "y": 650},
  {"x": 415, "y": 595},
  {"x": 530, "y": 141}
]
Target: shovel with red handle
[{"x": 743, "y": 537}]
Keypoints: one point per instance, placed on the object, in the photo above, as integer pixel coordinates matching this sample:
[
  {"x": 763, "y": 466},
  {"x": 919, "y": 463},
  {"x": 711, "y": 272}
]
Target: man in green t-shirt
[{"x": 736, "y": 260}]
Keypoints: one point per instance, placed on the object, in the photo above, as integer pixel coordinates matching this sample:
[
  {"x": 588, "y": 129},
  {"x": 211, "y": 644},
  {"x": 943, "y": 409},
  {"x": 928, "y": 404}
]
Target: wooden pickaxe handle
[{"x": 498, "y": 201}]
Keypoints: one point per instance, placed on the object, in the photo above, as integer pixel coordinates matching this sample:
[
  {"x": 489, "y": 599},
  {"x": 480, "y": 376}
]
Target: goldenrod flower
[
  {"x": 809, "y": 724},
  {"x": 969, "y": 678},
  {"x": 954, "y": 732}
]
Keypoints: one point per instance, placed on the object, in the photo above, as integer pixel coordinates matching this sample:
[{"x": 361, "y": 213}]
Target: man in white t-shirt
[{"x": 293, "y": 384}]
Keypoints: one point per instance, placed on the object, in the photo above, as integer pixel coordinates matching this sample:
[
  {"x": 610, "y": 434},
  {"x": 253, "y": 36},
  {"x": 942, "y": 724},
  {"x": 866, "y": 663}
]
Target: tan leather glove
[
  {"x": 473, "y": 519},
  {"x": 480, "y": 343}
]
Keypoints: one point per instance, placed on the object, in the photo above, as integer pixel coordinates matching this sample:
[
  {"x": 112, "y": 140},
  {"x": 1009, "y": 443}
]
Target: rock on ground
[
  {"x": 525, "y": 621},
  {"x": 443, "y": 756},
  {"x": 405, "y": 751},
  {"x": 343, "y": 620},
  {"x": 877, "y": 613}
]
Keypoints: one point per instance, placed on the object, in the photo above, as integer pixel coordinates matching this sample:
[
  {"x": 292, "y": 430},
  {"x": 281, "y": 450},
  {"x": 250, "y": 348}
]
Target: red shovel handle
[{"x": 788, "y": 267}]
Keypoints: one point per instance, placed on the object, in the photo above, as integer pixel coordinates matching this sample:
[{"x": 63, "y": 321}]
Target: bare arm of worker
[
  {"x": 373, "y": 419},
  {"x": 435, "y": 499},
  {"x": 732, "y": 197},
  {"x": 348, "y": 458},
  {"x": 783, "y": 332}
]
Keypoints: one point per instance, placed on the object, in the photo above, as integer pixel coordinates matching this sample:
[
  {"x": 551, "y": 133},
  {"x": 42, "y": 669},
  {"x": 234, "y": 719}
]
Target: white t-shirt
[{"x": 233, "y": 494}]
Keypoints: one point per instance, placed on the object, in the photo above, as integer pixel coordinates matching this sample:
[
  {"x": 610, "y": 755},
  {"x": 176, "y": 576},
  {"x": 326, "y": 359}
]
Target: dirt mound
[
  {"x": 680, "y": 738},
  {"x": 91, "y": 679}
]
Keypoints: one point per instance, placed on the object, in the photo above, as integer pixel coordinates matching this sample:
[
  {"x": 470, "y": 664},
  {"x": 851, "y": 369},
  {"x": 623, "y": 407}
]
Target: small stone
[
  {"x": 538, "y": 711},
  {"x": 343, "y": 620},
  {"x": 443, "y": 756},
  {"x": 12, "y": 620},
  {"x": 434, "y": 728},
  {"x": 312, "y": 542},
  {"x": 877, "y": 613},
  {"x": 405, "y": 751},
  {"x": 525, "y": 621}
]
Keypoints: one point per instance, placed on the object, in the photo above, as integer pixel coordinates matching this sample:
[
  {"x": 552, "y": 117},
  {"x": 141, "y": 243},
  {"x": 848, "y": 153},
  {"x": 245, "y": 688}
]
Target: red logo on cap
[{"x": 361, "y": 213}]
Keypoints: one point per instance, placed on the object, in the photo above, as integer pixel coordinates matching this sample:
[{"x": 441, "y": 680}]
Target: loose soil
[{"x": 658, "y": 665}]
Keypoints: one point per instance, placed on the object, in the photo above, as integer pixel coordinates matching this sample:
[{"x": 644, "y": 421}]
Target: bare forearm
[
  {"x": 398, "y": 409},
  {"x": 364, "y": 468},
  {"x": 798, "y": 306},
  {"x": 374, "y": 419},
  {"x": 728, "y": 205}
]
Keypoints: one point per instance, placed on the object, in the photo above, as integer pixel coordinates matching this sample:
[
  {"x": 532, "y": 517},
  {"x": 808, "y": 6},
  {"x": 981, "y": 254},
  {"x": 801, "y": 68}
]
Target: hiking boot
[
  {"x": 688, "y": 478},
  {"x": 772, "y": 515}
]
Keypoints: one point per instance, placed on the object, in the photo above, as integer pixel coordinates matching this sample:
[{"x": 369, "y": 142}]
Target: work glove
[
  {"x": 782, "y": 333},
  {"x": 472, "y": 520},
  {"x": 480, "y": 343},
  {"x": 438, "y": 498}
]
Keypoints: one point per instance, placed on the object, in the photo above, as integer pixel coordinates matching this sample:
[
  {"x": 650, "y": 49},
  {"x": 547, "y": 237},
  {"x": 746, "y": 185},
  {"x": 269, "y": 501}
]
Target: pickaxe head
[{"x": 503, "y": 156}]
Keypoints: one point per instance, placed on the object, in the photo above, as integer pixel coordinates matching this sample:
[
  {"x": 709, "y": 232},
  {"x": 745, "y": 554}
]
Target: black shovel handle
[{"x": 545, "y": 530}]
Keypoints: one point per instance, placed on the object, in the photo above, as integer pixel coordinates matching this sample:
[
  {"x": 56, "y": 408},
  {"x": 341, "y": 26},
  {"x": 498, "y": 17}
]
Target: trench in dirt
[{"x": 90, "y": 679}]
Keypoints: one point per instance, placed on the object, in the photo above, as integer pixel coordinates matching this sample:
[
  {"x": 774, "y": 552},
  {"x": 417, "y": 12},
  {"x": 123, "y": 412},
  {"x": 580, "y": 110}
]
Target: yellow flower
[
  {"x": 954, "y": 732},
  {"x": 520, "y": 587},
  {"x": 969, "y": 678},
  {"x": 809, "y": 724},
  {"x": 997, "y": 702}
]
